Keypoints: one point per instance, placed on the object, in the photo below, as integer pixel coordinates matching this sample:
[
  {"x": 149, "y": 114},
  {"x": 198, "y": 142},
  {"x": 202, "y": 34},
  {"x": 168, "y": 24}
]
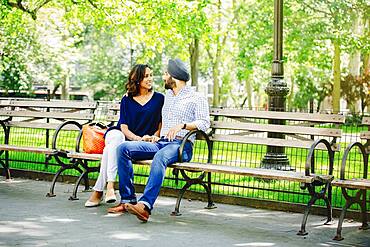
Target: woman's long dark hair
[{"x": 136, "y": 75}]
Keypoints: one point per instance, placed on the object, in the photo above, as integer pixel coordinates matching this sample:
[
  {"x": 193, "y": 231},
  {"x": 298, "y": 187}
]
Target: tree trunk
[
  {"x": 216, "y": 84},
  {"x": 248, "y": 88},
  {"x": 355, "y": 57},
  {"x": 354, "y": 65},
  {"x": 336, "y": 84},
  {"x": 366, "y": 69},
  {"x": 291, "y": 94},
  {"x": 194, "y": 62},
  {"x": 367, "y": 64},
  {"x": 65, "y": 87}
]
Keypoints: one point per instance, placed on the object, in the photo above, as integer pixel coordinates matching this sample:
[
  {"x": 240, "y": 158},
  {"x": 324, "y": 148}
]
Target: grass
[{"x": 233, "y": 154}]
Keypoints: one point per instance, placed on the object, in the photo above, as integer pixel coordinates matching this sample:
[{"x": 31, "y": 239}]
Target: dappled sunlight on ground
[
  {"x": 341, "y": 244},
  {"x": 24, "y": 228},
  {"x": 10, "y": 181},
  {"x": 130, "y": 236},
  {"x": 48, "y": 219},
  {"x": 240, "y": 214},
  {"x": 256, "y": 244},
  {"x": 165, "y": 203},
  {"x": 28, "y": 218},
  {"x": 112, "y": 215}
]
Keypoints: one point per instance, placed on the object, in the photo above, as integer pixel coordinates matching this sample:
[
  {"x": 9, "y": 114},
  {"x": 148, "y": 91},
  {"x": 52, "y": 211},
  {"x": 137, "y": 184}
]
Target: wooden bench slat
[
  {"x": 297, "y": 116},
  {"x": 55, "y": 115},
  {"x": 84, "y": 156},
  {"x": 54, "y": 104},
  {"x": 277, "y": 128},
  {"x": 146, "y": 163},
  {"x": 114, "y": 106},
  {"x": 255, "y": 172},
  {"x": 268, "y": 141},
  {"x": 113, "y": 118},
  {"x": 359, "y": 183},
  {"x": 50, "y": 126},
  {"x": 366, "y": 120},
  {"x": 4, "y": 103},
  {"x": 26, "y": 149},
  {"x": 365, "y": 135}
]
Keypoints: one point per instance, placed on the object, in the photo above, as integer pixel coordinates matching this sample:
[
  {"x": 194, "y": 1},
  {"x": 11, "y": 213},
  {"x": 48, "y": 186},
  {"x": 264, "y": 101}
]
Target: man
[{"x": 183, "y": 110}]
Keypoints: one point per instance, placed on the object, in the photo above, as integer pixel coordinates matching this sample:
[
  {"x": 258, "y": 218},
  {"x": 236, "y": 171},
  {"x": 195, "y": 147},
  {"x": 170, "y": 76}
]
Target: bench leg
[
  {"x": 329, "y": 211},
  {"x": 51, "y": 192},
  {"x": 364, "y": 226},
  {"x": 74, "y": 194},
  {"x": 6, "y": 168},
  {"x": 178, "y": 201},
  {"x": 303, "y": 232},
  {"x": 210, "y": 205},
  {"x": 339, "y": 237},
  {"x": 86, "y": 171}
]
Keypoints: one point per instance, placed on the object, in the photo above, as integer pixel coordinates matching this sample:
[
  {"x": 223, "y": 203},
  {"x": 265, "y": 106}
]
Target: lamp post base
[{"x": 277, "y": 161}]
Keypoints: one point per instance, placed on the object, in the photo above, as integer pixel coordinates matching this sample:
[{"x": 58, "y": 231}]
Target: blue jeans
[{"x": 163, "y": 153}]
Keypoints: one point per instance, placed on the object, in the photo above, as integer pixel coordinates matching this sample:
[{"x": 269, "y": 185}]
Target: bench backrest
[
  {"x": 113, "y": 112},
  {"x": 244, "y": 126},
  {"x": 44, "y": 114}
]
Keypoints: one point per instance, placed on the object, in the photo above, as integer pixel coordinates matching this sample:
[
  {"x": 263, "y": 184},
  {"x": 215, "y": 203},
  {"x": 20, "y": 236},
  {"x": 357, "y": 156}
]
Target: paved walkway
[{"x": 28, "y": 218}]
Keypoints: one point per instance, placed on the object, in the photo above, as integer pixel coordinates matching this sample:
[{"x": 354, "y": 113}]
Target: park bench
[
  {"x": 354, "y": 188},
  {"x": 25, "y": 122},
  {"x": 80, "y": 159},
  {"x": 236, "y": 126},
  {"x": 247, "y": 132}
]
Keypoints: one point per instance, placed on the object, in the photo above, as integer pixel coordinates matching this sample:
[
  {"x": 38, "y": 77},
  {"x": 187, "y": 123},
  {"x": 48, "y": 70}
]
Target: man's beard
[{"x": 169, "y": 83}]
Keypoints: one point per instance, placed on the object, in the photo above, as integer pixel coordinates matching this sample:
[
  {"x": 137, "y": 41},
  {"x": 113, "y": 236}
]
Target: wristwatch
[{"x": 184, "y": 127}]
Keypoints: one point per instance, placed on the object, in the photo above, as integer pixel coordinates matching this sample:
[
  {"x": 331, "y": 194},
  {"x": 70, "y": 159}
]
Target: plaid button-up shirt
[{"x": 185, "y": 107}]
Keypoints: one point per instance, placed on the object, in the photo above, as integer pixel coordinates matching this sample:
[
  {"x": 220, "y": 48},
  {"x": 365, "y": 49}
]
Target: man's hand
[
  {"x": 148, "y": 138},
  {"x": 155, "y": 139},
  {"x": 173, "y": 131}
]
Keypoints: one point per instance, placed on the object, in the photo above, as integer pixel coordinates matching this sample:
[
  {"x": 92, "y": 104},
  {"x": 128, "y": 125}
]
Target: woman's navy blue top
[{"x": 141, "y": 119}]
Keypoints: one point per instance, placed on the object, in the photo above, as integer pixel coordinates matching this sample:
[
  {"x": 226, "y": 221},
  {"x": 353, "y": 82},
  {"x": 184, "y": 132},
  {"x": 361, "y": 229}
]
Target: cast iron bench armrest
[
  {"x": 309, "y": 166},
  {"x": 5, "y": 134},
  {"x": 345, "y": 156},
  {"x": 186, "y": 138},
  {"x": 60, "y": 128},
  {"x": 175, "y": 171}
]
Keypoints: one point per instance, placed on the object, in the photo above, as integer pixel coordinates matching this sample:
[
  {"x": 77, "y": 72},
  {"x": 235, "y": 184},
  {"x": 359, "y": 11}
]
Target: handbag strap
[{"x": 99, "y": 124}]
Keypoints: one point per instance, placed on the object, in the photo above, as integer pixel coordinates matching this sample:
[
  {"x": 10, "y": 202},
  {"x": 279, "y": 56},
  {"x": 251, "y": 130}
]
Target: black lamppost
[{"x": 277, "y": 90}]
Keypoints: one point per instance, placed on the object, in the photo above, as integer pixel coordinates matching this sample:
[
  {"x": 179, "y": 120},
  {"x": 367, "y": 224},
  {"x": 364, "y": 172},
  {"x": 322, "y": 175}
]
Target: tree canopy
[{"x": 228, "y": 45}]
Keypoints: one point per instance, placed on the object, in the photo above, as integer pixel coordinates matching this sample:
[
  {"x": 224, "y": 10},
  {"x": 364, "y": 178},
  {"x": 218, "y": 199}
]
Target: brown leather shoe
[
  {"x": 138, "y": 210},
  {"x": 120, "y": 208}
]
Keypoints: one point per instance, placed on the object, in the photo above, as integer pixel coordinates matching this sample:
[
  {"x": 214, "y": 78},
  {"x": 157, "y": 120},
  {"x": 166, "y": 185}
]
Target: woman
[{"x": 140, "y": 120}]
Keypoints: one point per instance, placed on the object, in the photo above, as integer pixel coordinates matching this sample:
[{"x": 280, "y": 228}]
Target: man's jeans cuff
[
  {"x": 146, "y": 204},
  {"x": 132, "y": 201}
]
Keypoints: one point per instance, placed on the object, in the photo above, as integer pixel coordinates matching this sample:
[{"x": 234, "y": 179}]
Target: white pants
[{"x": 108, "y": 166}]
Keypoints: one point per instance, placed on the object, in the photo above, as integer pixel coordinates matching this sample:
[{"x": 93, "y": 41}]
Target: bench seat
[
  {"x": 27, "y": 149},
  {"x": 246, "y": 171},
  {"x": 202, "y": 167},
  {"x": 354, "y": 183}
]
